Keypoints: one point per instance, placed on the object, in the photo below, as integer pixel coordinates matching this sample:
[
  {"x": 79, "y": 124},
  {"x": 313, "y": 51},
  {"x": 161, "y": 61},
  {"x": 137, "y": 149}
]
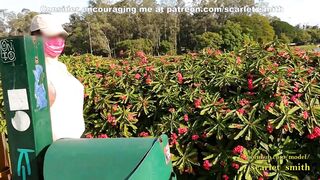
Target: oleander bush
[
  {"x": 247, "y": 114},
  {"x": 253, "y": 113}
]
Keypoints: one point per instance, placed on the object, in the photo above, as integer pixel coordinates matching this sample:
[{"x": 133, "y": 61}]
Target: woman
[{"x": 65, "y": 91}]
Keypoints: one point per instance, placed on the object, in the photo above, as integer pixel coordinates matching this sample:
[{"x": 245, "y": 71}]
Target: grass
[{"x": 308, "y": 47}]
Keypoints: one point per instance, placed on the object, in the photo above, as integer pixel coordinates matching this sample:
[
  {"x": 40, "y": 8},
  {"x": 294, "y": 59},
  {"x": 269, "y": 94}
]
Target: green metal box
[
  {"x": 26, "y": 104},
  {"x": 109, "y": 159}
]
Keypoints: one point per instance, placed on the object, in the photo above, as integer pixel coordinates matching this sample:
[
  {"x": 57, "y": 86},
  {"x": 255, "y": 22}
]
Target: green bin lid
[{"x": 95, "y": 159}]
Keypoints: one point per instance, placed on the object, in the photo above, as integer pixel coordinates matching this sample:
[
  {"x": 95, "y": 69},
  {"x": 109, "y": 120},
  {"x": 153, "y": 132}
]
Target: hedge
[{"x": 245, "y": 114}]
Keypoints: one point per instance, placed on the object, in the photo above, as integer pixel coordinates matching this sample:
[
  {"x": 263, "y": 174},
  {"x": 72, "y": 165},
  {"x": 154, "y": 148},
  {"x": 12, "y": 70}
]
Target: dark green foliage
[
  {"x": 264, "y": 100},
  {"x": 256, "y": 26},
  {"x": 130, "y": 47},
  {"x": 209, "y": 39},
  {"x": 232, "y": 36},
  {"x": 166, "y": 47}
]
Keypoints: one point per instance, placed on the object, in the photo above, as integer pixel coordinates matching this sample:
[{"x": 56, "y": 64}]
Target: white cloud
[{"x": 298, "y": 11}]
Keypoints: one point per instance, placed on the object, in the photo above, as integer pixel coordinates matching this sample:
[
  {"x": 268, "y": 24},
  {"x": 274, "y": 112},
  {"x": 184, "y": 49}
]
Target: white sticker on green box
[{"x": 18, "y": 99}]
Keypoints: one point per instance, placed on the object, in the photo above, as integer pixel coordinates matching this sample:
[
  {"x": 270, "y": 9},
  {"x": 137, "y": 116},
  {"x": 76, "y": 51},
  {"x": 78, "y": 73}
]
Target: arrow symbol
[{"x": 24, "y": 154}]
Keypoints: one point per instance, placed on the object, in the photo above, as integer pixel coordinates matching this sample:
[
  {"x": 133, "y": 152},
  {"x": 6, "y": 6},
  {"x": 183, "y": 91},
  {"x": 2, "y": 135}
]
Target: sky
[{"x": 294, "y": 11}]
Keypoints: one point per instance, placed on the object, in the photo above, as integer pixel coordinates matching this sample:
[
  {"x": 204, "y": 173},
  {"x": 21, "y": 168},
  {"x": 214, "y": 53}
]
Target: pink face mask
[{"x": 53, "y": 47}]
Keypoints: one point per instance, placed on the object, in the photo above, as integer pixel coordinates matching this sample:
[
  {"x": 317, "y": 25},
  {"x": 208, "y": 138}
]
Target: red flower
[
  {"x": 186, "y": 117},
  {"x": 270, "y": 49},
  {"x": 221, "y": 100},
  {"x": 172, "y": 110},
  {"x": 137, "y": 76},
  {"x": 99, "y": 76},
  {"x": 180, "y": 78},
  {"x": 295, "y": 98},
  {"x": 115, "y": 107},
  {"x": 103, "y": 136},
  {"x": 270, "y": 104},
  {"x": 131, "y": 116},
  {"x": 182, "y": 130},
  {"x": 149, "y": 68},
  {"x": 305, "y": 114},
  {"x": 261, "y": 178},
  {"x": 111, "y": 119},
  {"x": 217, "y": 52},
  {"x": 292, "y": 125},
  {"x": 284, "y": 54},
  {"x": 238, "y": 149},
  {"x": 188, "y": 170},
  {"x": 243, "y": 156},
  {"x": 285, "y": 128},
  {"x": 206, "y": 165},
  {"x": 262, "y": 71},
  {"x": 315, "y": 133},
  {"x": 225, "y": 177},
  {"x": 148, "y": 81},
  {"x": 265, "y": 173},
  {"x": 89, "y": 135},
  {"x": 112, "y": 66},
  {"x": 269, "y": 128},
  {"x": 173, "y": 139},
  {"x": 311, "y": 136},
  {"x": 238, "y": 60},
  {"x": 119, "y": 73},
  {"x": 250, "y": 84},
  {"x": 310, "y": 70},
  {"x": 235, "y": 165},
  {"x": 143, "y": 60},
  {"x": 197, "y": 103},
  {"x": 285, "y": 100},
  {"x": 195, "y": 137},
  {"x": 241, "y": 111},
  {"x": 143, "y": 134},
  {"x": 123, "y": 98},
  {"x": 204, "y": 135},
  {"x": 140, "y": 54},
  {"x": 244, "y": 102}
]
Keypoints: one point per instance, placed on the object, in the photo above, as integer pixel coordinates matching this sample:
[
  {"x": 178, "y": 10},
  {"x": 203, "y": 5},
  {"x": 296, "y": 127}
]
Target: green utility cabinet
[
  {"x": 34, "y": 156},
  {"x": 109, "y": 159},
  {"x": 26, "y": 104}
]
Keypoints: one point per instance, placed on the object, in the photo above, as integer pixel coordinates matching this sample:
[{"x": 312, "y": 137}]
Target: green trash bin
[{"x": 109, "y": 159}]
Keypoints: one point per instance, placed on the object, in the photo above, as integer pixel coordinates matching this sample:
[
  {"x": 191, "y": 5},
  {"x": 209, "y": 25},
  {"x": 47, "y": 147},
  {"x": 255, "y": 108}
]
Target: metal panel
[
  {"x": 107, "y": 159},
  {"x": 26, "y": 104}
]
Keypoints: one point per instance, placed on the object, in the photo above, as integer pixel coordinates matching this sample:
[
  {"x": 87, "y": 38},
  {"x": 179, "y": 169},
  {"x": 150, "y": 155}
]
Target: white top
[{"x": 67, "y": 110}]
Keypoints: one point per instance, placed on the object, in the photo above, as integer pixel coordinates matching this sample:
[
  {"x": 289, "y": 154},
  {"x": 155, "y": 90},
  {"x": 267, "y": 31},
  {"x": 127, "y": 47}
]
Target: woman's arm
[{"x": 52, "y": 93}]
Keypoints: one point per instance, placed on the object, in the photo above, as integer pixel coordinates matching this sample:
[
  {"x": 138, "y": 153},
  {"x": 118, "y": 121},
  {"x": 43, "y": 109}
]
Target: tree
[
  {"x": 166, "y": 47},
  {"x": 130, "y": 47},
  {"x": 209, "y": 39},
  {"x": 284, "y": 38},
  {"x": 20, "y": 24},
  {"x": 256, "y": 26},
  {"x": 302, "y": 37},
  {"x": 2, "y": 28},
  {"x": 232, "y": 35},
  {"x": 315, "y": 34},
  {"x": 281, "y": 27}
]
